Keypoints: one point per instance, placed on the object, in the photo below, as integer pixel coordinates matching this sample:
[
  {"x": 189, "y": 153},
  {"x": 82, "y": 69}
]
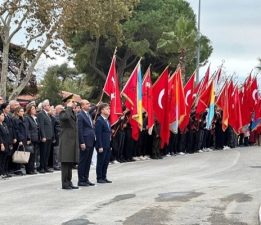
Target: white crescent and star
[
  {"x": 147, "y": 84},
  {"x": 187, "y": 95},
  {"x": 113, "y": 81},
  {"x": 160, "y": 98}
]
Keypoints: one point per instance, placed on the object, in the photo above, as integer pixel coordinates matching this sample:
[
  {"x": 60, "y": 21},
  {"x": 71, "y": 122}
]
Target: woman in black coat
[
  {"x": 23, "y": 136},
  {"x": 4, "y": 146},
  {"x": 34, "y": 133}
]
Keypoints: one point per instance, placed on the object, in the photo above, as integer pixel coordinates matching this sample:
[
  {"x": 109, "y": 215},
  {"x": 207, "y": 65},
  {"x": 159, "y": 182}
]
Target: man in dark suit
[
  {"x": 46, "y": 136},
  {"x": 69, "y": 145},
  {"x": 103, "y": 143},
  {"x": 86, "y": 140}
]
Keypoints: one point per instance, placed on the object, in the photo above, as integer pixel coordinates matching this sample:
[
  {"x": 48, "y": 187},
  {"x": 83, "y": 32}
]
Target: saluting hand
[
  {"x": 2, "y": 147},
  {"x": 83, "y": 147}
]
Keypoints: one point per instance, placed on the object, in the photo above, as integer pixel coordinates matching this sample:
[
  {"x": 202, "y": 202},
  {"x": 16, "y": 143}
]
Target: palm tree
[{"x": 182, "y": 40}]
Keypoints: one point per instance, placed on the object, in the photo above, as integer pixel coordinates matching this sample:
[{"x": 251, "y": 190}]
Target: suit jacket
[
  {"x": 85, "y": 129},
  {"x": 45, "y": 125},
  {"x": 57, "y": 129},
  {"x": 103, "y": 134},
  {"x": 33, "y": 128},
  {"x": 9, "y": 121},
  {"x": 69, "y": 145},
  {"x": 4, "y": 136},
  {"x": 22, "y": 131}
]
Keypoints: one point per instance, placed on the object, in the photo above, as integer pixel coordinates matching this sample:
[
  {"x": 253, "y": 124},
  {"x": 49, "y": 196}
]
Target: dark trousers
[
  {"x": 85, "y": 164},
  {"x": 45, "y": 148},
  {"x": 29, "y": 167},
  {"x": 155, "y": 148},
  {"x": 66, "y": 173},
  {"x": 3, "y": 163},
  {"x": 103, "y": 159}
]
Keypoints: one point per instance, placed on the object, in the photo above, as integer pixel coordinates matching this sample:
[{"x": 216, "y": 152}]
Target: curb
[{"x": 259, "y": 217}]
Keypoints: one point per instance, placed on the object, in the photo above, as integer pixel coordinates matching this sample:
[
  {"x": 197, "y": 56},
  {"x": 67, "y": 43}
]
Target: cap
[{"x": 65, "y": 99}]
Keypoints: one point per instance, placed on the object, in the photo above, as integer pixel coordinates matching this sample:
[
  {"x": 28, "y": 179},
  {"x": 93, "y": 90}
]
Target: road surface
[{"x": 210, "y": 188}]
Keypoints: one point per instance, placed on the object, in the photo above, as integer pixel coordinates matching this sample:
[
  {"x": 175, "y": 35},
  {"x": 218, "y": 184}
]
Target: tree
[
  {"x": 51, "y": 86},
  {"x": 141, "y": 35},
  {"x": 64, "y": 72},
  {"x": 42, "y": 24},
  {"x": 183, "y": 41},
  {"x": 38, "y": 21}
]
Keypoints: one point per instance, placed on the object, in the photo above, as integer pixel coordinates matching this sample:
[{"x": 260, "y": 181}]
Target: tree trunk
[
  {"x": 182, "y": 65},
  {"x": 29, "y": 73},
  {"x": 4, "y": 69}
]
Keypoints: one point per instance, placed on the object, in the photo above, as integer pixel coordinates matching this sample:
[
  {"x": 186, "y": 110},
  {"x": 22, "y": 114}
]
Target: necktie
[
  {"x": 107, "y": 123},
  {"x": 89, "y": 117}
]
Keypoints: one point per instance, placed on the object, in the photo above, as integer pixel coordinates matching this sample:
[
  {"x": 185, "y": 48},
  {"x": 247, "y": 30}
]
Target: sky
[{"x": 234, "y": 28}]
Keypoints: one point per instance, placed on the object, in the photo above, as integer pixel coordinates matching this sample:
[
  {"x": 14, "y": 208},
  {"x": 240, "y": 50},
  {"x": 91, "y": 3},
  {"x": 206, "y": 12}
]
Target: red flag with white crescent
[
  {"x": 111, "y": 88},
  {"x": 160, "y": 105}
]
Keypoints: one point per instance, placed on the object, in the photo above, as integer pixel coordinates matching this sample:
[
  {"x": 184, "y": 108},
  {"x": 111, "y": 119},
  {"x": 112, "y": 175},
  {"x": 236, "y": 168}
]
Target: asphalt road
[{"x": 210, "y": 188}]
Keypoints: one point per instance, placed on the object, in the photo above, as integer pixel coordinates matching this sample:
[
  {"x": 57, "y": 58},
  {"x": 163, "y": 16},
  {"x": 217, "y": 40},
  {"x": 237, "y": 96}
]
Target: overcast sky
[{"x": 234, "y": 28}]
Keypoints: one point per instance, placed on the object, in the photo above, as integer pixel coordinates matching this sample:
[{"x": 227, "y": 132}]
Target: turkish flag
[
  {"x": 235, "y": 121},
  {"x": 147, "y": 97},
  {"x": 135, "y": 130},
  {"x": 204, "y": 83},
  {"x": 111, "y": 88},
  {"x": 223, "y": 103},
  {"x": 248, "y": 101},
  {"x": 188, "y": 92},
  {"x": 177, "y": 105},
  {"x": 219, "y": 73},
  {"x": 204, "y": 100},
  {"x": 253, "y": 94},
  {"x": 130, "y": 91},
  {"x": 160, "y": 105}
]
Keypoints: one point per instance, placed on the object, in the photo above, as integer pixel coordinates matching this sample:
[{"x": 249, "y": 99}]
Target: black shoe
[
  {"x": 48, "y": 171},
  {"x": 74, "y": 187},
  {"x": 31, "y": 173},
  {"x": 67, "y": 187},
  {"x": 57, "y": 168},
  {"x": 101, "y": 181},
  {"x": 107, "y": 181},
  {"x": 90, "y": 183},
  {"x": 83, "y": 184},
  {"x": 19, "y": 173},
  {"x": 42, "y": 171}
]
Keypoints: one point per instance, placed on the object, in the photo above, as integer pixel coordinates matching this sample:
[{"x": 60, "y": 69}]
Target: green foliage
[
  {"x": 162, "y": 32},
  {"x": 51, "y": 86}
]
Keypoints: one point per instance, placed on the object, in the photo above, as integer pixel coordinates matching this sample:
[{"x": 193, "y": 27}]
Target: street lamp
[{"x": 198, "y": 38}]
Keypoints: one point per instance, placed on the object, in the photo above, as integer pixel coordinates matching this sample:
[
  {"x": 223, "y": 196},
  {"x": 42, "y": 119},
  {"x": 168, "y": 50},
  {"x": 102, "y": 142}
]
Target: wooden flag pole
[{"x": 96, "y": 114}]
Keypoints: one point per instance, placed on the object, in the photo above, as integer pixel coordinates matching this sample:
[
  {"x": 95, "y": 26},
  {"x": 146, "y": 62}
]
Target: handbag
[
  {"x": 29, "y": 148},
  {"x": 21, "y": 156}
]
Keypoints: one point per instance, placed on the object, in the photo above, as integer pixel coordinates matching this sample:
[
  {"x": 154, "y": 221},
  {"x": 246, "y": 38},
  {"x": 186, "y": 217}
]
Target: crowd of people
[{"x": 41, "y": 130}]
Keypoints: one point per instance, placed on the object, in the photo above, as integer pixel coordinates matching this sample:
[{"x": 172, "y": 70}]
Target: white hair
[
  {"x": 40, "y": 106},
  {"x": 45, "y": 102}
]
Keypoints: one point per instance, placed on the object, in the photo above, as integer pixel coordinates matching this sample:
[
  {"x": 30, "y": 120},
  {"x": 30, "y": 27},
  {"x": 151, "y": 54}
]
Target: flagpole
[
  {"x": 96, "y": 114},
  {"x": 198, "y": 37}
]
